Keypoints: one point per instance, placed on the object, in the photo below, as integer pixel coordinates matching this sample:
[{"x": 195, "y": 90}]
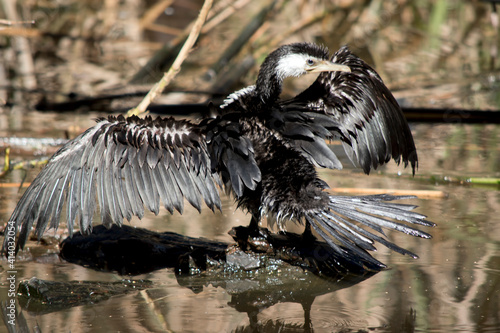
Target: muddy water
[{"x": 454, "y": 286}]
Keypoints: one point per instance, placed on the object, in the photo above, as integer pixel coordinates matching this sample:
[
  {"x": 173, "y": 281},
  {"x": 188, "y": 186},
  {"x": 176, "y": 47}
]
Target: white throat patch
[{"x": 292, "y": 65}]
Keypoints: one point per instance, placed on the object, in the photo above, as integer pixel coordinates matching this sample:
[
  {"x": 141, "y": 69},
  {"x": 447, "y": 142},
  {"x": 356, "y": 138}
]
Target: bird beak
[{"x": 328, "y": 66}]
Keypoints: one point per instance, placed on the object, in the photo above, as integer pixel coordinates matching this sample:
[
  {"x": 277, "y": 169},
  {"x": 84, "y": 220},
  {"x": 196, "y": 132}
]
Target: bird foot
[{"x": 252, "y": 239}]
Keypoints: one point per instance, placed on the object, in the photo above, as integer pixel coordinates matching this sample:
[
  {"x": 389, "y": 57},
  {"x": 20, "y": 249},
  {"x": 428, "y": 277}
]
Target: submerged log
[
  {"x": 132, "y": 251},
  {"x": 42, "y": 296},
  {"x": 259, "y": 270}
]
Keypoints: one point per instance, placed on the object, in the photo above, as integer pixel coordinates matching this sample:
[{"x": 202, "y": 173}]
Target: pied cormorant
[{"x": 261, "y": 149}]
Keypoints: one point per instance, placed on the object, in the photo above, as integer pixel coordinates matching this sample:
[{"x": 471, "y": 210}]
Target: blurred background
[
  {"x": 430, "y": 53},
  {"x": 65, "y": 62}
]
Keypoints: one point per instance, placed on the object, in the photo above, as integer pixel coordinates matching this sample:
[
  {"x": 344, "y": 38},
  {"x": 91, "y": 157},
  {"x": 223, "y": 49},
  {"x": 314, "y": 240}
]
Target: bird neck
[{"x": 268, "y": 87}]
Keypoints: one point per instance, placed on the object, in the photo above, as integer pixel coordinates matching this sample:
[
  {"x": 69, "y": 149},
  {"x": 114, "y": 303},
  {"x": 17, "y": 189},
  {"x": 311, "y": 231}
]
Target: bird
[{"x": 261, "y": 149}]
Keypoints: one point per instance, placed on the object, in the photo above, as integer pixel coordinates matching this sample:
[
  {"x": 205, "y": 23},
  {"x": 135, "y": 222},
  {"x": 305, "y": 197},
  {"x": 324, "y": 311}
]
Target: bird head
[
  {"x": 298, "y": 64},
  {"x": 292, "y": 60}
]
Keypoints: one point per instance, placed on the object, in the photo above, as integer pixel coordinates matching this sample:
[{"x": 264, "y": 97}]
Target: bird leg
[
  {"x": 253, "y": 227},
  {"x": 307, "y": 235},
  {"x": 253, "y": 237}
]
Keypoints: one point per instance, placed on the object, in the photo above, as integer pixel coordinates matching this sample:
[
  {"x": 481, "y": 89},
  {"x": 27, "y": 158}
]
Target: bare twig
[
  {"x": 219, "y": 12},
  {"x": 421, "y": 194},
  {"x": 10, "y": 22},
  {"x": 8, "y": 166},
  {"x": 7, "y": 160},
  {"x": 153, "y": 13},
  {"x": 176, "y": 66},
  {"x": 21, "y": 32},
  {"x": 214, "y": 13},
  {"x": 163, "y": 29},
  {"x": 13, "y": 185},
  {"x": 224, "y": 14}
]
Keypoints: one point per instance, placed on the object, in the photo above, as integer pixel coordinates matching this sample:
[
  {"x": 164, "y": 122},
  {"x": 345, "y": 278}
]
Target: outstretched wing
[
  {"x": 231, "y": 152},
  {"x": 370, "y": 122},
  {"x": 122, "y": 164}
]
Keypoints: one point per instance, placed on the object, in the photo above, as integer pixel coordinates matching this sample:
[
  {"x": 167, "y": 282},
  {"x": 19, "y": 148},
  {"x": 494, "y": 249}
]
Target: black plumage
[{"x": 261, "y": 149}]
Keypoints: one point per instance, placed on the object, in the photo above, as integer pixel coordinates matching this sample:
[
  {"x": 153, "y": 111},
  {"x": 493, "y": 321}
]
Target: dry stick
[
  {"x": 14, "y": 185},
  {"x": 224, "y": 14},
  {"x": 7, "y": 160},
  {"x": 217, "y": 9},
  {"x": 163, "y": 55},
  {"x": 163, "y": 29},
  {"x": 20, "y": 32},
  {"x": 9, "y": 22},
  {"x": 421, "y": 194},
  {"x": 20, "y": 165},
  {"x": 153, "y": 13},
  {"x": 176, "y": 66}
]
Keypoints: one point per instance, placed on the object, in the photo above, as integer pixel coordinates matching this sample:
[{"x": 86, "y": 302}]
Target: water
[
  {"x": 454, "y": 286},
  {"x": 431, "y": 54}
]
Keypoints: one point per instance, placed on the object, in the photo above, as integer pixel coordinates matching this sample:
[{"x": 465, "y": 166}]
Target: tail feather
[
  {"x": 375, "y": 222},
  {"x": 347, "y": 229},
  {"x": 340, "y": 224},
  {"x": 399, "y": 212},
  {"x": 347, "y": 250}
]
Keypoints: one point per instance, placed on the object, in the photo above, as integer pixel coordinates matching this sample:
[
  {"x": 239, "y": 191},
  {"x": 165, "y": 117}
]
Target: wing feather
[
  {"x": 307, "y": 131},
  {"x": 120, "y": 165},
  {"x": 231, "y": 153},
  {"x": 368, "y": 119}
]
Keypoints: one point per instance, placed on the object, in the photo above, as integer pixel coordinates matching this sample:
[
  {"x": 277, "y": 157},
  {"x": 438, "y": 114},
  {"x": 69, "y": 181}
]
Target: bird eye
[{"x": 310, "y": 62}]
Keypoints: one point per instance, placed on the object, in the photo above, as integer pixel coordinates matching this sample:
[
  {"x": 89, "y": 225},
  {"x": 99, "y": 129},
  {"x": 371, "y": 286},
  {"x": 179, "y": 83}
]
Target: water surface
[
  {"x": 455, "y": 285},
  {"x": 435, "y": 54}
]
